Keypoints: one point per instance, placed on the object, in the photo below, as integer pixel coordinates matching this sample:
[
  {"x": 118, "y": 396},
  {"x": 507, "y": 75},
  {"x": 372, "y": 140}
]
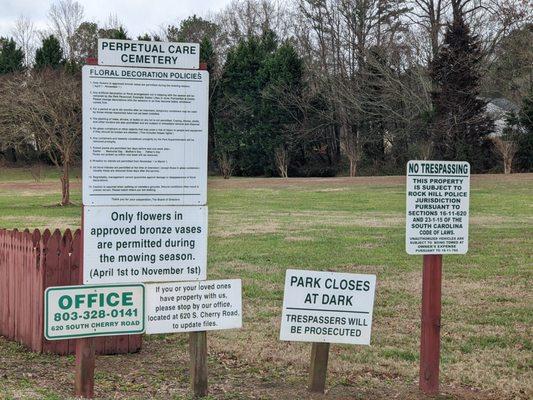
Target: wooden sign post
[
  {"x": 198, "y": 367},
  {"x": 430, "y": 326},
  {"x": 85, "y": 347},
  {"x": 85, "y": 359},
  {"x": 319, "y": 367}
]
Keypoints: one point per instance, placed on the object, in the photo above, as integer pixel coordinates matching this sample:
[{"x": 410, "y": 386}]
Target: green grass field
[{"x": 261, "y": 227}]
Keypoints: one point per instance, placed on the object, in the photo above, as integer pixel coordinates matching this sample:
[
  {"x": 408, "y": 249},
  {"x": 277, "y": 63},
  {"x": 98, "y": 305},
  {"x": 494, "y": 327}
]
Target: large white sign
[
  {"x": 327, "y": 307},
  {"x": 437, "y": 207},
  {"x": 138, "y": 53},
  {"x": 193, "y": 306},
  {"x": 99, "y": 310},
  {"x": 144, "y": 136},
  {"x": 144, "y": 244}
]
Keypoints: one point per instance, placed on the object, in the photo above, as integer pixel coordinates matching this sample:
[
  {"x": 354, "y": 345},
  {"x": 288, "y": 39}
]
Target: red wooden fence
[{"x": 29, "y": 263}]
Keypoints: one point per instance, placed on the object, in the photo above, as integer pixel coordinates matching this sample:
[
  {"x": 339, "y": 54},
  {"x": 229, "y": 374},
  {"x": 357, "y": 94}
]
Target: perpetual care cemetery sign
[
  {"x": 140, "y": 53},
  {"x": 437, "y": 207},
  {"x": 145, "y": 183}
]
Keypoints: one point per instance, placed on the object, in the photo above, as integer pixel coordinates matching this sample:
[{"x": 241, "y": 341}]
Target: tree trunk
[
  {"x": 225, "y": 164},
  {"x": 281, "y": 157},
  {"x": 353, "y": 168},
  {"x": 65, "y": 186},
  {"x": 507, "y": 162}
]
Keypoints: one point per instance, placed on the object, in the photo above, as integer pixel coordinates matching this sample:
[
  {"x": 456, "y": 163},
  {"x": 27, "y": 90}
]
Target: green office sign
[{"x": 72, "y": 312}]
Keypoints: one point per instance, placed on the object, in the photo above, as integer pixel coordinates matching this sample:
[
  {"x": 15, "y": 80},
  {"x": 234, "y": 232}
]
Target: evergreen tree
[
  {"x": 11, "y": 58},
  {"x": 521, "y": 133},
  {"x": 148, "y": 38},
  {"x": 114, "y": 33},
  {"x": 372, "y": 125},
  {"x": 282, "y": 74},
  {"x": 50, "y": 54},
  {"x": 239, "y": 126},
  {"x": 460, "y": 122}
]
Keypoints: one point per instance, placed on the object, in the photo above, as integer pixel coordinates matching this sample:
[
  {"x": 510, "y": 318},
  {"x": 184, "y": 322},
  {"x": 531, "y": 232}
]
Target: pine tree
[
  {"x": 521, "y": 133},
  {"x": 282, "y": 75},
  {"x": 50, "y": 54},
  {"x": 113, "y": 33},
  {"x": 460, "y": 122},
  {"x": 238, "y": 126},
  {"x": 11, "y": 58}
]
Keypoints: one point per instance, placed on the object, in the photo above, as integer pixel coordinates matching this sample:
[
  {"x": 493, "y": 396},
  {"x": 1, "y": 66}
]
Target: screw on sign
[{"x": 437, "y": 212}]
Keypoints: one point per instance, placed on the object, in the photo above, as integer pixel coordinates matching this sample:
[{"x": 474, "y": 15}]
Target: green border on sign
[{"x": 55, "y": 288}]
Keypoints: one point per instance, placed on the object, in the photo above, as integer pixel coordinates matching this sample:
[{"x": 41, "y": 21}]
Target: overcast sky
[{"x": 138, "y": 16}]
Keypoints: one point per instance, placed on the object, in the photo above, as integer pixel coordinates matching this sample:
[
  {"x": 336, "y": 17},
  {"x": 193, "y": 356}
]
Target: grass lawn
[{"x": 260, "y": 227}]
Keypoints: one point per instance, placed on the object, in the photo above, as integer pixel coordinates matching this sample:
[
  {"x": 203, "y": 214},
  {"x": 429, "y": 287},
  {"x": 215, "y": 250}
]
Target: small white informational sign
[
  {"x": 144, "y": 244},
  {"x": 193, "y": 306},
  {"x": 437, "y": 207},
  {"x": 99, "y": 310},
  {"x": 329, "y": 307},
  {"x": 144, "y": 136},
  {"x": 139, "y": 53}
]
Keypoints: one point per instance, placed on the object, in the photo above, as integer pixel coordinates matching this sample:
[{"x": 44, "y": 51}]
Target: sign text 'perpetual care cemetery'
[{"x": 139, "y": 53}]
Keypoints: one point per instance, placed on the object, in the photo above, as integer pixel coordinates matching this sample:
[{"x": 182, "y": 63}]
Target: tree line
[{"x": 306, "y": 87}]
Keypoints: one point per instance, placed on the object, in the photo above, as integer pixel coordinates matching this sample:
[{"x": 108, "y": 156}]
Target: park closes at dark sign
[{"x": 327, "y": 307}]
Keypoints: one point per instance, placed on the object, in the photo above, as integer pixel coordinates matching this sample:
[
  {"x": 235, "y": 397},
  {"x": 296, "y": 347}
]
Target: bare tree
[
  {"x": 25, "y": 36},
  {"x": 244, "y": 18},
  {"x": 430, "y": 16},
  {"x": 506, "y": 150},
  {"x": 43, "y": 110},
  {"x": 281, "y": 158},
  {"x": 65, "y": 17},
  {"x": 226, "y": 164},
  {"x": 341, "y": 37}
]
